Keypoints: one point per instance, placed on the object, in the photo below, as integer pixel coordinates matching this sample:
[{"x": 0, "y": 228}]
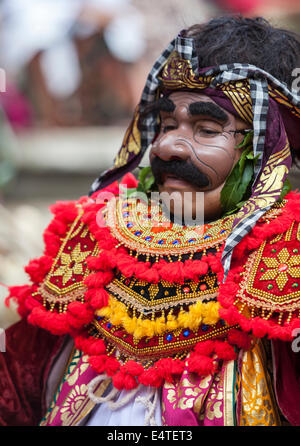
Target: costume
[{"x": 186, "y": 313}]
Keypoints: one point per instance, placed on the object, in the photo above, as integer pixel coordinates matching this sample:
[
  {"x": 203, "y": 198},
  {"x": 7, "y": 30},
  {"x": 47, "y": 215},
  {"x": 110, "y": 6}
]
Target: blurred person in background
[{"x": 69, "y": 57}]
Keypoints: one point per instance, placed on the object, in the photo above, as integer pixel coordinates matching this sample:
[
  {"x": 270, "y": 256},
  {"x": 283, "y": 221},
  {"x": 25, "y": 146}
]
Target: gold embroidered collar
[{"x": 144, "y": 228}]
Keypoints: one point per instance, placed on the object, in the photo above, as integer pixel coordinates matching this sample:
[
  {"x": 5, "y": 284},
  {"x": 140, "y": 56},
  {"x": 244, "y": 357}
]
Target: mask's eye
[
  {"x": 168, "y": 124},
  {"x": 207, "y": 133},
  {"x": 207, "y": 129}
]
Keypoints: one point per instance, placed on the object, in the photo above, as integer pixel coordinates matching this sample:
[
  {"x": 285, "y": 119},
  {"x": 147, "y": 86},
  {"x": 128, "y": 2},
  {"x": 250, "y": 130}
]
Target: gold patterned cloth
[{"x": 240, "y": 394}]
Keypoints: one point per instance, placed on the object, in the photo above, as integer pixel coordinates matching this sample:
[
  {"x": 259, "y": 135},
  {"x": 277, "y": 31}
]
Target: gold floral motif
[
  {"x": 56, "y": 292},
  {"x": 252, "y": 294},
  {"x": 213, "y": 410},
  {"x": 188, "y": 394},
  {"x": 178, "y": 73},
  {"x": 71, "y": 264},
  {"x": 271, "y": 182},
  {"x": 280, "y": 267},
  {"x": 239, "y": 95},
  {"x": 214, "y": 399},
  {"x": 74, "y": 402}
]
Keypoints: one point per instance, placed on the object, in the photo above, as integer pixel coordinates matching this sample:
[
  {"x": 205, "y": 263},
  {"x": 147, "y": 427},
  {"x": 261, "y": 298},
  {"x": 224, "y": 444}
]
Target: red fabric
[
  {"x": 287, "y": 379},
  {"x": 24, "y": 370}
]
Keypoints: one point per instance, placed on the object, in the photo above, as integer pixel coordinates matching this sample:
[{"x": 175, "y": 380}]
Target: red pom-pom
[
  {"x": 200, "y": 364},
  {"x": 126, "y": 377},
  {"x": 38, "y": 268},
  {"x": 129, "y": 180},
  {"x": 105, "y": 261},
  {"x": 104, "y": 363},
  {"x": 214, "y": 262},
  {"x": 57, "y": 324},
  {"x": 205, "y": 348},
  {"x": 239, "y": 338},
  {"x": 97, "y": 297},
  {"x": 133, "y": 368},
  {"x": 97, "y": 280},
  {"x": 151, "y": 377},
  {"x": 122, "y": 381},
  {"x": 112, "y": 365},
  {"x": 193, "y": 269},
  {"x": 259, "y": 327},
  {"x": 224, "y": 350},
  {"x": 79, "y": 315},
  {"x": 98, "y": 363},
  {"x": 20, "y": 294},
  {"x": 90, "y": 346}
]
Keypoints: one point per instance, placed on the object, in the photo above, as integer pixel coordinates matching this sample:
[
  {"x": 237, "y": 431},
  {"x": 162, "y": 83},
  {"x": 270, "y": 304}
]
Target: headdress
[{"x": 244, "y": 90}]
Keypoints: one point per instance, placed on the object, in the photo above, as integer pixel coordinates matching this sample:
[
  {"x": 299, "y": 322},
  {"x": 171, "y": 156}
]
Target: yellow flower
[{"x": 198, "y": 313}]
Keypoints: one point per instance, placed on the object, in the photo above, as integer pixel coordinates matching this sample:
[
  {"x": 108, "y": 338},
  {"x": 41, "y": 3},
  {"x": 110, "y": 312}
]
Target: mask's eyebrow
[
  {"x": 208, "y": 109},
  {"x": 162, "y": 104},
  {"x": 165, "y": 104}
]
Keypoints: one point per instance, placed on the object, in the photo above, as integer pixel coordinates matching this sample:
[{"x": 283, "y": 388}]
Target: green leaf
[
  {"x": 236, "y": 186},
  {"x": 243, "y": 159},
  {"x": 146, "y": 180},
  {"x": 247, "y": 140},
  {"x": 145, "y": 171},
  {"x": 149, "y": 183},
  {"x": 287, "y": 187}
]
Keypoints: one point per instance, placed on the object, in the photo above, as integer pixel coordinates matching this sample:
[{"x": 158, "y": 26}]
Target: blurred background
[{"x": 73, "y": 72}]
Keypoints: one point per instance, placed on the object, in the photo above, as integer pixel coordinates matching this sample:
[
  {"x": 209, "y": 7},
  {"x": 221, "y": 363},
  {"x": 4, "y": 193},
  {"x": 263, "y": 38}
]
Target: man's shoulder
[
  {"x": 54, "y": 298},
  {"x": 265, "y": 277}
]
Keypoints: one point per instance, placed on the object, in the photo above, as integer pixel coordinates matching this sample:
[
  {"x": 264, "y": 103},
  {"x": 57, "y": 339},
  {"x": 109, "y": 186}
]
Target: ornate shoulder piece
[
  {"x": 64, "y": 283},
  {"x": 57, "y": 278},
  {"x": 58, "y": 298},
  {"x": 263, "y": 295}
]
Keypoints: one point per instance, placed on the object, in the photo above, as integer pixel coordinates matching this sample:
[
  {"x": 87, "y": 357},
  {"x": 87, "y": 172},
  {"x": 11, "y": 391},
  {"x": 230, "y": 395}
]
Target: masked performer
[{"x": 134, "y": 315}]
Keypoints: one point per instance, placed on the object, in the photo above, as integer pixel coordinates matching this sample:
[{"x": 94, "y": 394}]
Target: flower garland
[{"x": 200, "y": 313}]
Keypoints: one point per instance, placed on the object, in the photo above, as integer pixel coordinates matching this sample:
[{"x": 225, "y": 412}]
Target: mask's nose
[{"x": 172, "y": 146}]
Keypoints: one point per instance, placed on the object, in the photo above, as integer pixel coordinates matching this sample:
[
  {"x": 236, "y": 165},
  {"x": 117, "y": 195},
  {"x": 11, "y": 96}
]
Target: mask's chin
[
  {"x": 184, "y": 208},
  {"x": 193, "y": 208}
]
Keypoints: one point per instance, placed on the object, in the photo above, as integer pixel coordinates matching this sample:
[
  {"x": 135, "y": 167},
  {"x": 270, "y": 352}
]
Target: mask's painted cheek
[{"x": 178, "y": 139}]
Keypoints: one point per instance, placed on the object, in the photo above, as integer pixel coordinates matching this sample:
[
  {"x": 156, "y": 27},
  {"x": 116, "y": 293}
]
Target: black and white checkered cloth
[{"x": 258, "y": 81}]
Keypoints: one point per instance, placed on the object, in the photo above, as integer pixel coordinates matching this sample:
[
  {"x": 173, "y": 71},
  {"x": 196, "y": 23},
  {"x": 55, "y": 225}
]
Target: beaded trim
[
  {"x": 123, "y": 344},
  {"x": 283, "y": 301},
  {"x": 65, "y": 281},
  {"x": 152, "y": 233},
  {"x": 139, "y": 325},
  {"x": 157, "y": 296},
  {"x": 269, "y": 288}
]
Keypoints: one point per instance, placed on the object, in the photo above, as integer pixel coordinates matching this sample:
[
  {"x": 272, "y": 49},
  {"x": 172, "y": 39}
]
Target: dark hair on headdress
[{"x": 237, "y": 39}]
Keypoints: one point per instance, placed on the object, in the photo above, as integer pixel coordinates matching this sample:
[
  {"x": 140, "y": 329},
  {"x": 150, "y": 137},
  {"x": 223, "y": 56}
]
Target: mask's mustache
[{"x": 180, "y": 169}]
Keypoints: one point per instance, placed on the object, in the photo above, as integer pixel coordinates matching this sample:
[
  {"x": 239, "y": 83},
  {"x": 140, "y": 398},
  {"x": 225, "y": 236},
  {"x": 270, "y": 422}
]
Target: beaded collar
[
  {"x": 149, "y": 317},
  {"x": 143, "y": 227}
]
